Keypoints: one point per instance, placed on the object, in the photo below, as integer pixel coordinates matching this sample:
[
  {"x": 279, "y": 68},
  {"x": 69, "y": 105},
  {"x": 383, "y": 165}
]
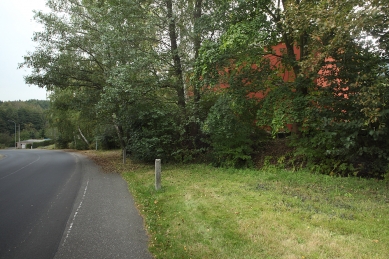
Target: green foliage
[
  {"x": 281, "y": 107},
  {"x": 346, "y": 131},
  {"x": 71, "y": 112},
  {"x": 78, "y": 144},
  {"x": 62, "y": 142},
  {"x": 107, "y": 137},
  {"x": 145, "y": 76},
  {"x": 6, "y": 140},
  {"x": 231, "y": 132},
  {"x": 246, "y": 35},
  {"x": 340, "y": 128},
  {"x": 154, "y": 132},
  {"x": 30, "y": 115}
]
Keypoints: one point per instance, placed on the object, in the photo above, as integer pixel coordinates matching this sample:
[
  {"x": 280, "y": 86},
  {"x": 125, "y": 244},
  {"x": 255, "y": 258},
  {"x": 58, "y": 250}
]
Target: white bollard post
[{"x": 157, "y": 174}]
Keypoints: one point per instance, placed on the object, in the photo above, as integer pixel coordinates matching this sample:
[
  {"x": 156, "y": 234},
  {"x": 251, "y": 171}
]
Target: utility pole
[{"x": 15, "y": 132}]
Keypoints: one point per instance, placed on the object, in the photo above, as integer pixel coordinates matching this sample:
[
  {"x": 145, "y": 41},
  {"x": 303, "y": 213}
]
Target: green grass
[{"x": 205, "y": 212}]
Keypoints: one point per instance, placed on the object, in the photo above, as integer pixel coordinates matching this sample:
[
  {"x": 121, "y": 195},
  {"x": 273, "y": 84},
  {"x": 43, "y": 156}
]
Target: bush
[
  {"x": 62, "y": 142},
  {"x": 232, "y": 133},
  {"x": 344, "y": 126},
  {"x": 154, "y": 132}
]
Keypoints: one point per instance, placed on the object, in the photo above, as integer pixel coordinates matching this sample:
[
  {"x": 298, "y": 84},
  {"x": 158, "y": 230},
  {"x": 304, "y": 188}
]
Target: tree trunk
[
  {"x": 82, "y": 136},
  {"x": 123, "y": 145},
  {"x": 195, "y": 127},
  {"x": 197, "y": 43},
  {"x": 175, "y": 55}
]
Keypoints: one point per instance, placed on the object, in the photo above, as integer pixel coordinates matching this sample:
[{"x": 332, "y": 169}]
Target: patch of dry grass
[{"x": 110, "y": 161}]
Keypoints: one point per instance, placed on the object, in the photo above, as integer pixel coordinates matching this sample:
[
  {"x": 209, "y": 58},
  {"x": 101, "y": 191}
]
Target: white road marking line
[
  {"x": 75, "y": 214},
  {"x": 20, "y": 168}
]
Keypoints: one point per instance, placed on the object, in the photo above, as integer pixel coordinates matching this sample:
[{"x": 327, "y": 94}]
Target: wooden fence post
[{"x": 157, "y": 174}]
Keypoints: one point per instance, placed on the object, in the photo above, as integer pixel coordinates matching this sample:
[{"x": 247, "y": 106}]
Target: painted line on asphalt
[
  {"x": 21, "y": 168},
  {"x": 75, "y": 214}
]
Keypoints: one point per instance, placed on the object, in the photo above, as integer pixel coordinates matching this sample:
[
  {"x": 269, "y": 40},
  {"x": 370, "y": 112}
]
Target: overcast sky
[{"x": 16, "y": 30}]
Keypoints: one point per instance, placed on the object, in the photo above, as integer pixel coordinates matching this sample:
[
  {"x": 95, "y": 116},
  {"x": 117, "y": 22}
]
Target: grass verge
[{"x": 206, "y": 212}]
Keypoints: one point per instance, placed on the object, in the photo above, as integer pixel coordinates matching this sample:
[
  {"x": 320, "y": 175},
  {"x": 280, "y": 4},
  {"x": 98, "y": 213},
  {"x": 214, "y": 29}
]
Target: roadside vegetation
[
  {"x": 26, "y": 119},
  {"x": 207, "y": 212},
  {"x": 189, "y": 80},
  {"x": 200, "y": 85}
]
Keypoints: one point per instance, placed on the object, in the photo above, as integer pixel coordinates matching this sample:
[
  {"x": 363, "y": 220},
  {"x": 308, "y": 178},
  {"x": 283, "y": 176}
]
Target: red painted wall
[{"x": 275, "y": 61}]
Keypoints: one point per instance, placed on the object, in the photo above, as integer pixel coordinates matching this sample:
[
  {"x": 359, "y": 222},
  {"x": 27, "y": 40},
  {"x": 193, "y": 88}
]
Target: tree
[
  {"x": 372, "y": 19},
  {"x": 77, "y": 55},
  {"x": 66, "y": 55},
  {"x": 108, "y": 59},
  {"x": 318, "y": 36},
  {"x": 31, "y": 115},
  {"x": 107, "y": 50},
  {"x": 71, "y": 114}
]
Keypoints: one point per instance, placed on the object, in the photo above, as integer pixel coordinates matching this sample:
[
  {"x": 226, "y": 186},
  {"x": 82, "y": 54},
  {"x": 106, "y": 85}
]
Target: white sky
[{"x": 16, "y": 30}]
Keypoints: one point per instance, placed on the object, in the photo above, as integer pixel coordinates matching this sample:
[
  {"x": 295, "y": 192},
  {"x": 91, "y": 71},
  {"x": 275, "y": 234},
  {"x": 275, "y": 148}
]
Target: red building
[{"x": 287, "y": 74}]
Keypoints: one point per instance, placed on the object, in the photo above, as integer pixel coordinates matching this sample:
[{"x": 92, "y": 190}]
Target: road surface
[{"x": 55, "y": 204}]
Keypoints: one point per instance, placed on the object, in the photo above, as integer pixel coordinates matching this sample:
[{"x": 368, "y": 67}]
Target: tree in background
[{"x": 30, "y": 115}]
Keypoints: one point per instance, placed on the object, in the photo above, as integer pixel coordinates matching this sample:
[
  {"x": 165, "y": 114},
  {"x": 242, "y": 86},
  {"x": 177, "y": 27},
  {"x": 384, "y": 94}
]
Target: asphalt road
[{"x": 55, "y": 204}]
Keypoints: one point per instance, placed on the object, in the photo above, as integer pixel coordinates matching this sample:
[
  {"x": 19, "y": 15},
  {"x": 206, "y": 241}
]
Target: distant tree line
[
  {"x": 146, "y": 76},
  {"x": 30, "y": 115}
]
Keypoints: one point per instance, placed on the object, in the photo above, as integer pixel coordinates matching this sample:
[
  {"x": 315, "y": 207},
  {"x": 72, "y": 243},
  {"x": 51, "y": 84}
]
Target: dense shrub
[
  {"x": 231, "y": 133},
  {"x": 346, "y": 132},
  {"x": 154, "y": 132},
  {"x": 62, "y": 142}
]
